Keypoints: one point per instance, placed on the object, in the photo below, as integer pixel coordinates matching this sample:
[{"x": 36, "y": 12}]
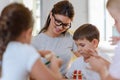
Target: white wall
[
  {"x": 46, "y": 6},
  {"x": 81, "y": 13},
  {"x": 3, "y": 3}
]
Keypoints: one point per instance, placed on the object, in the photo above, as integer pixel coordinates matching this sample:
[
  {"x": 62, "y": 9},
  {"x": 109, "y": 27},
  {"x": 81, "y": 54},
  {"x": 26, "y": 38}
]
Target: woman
[{"x": 54, "y": 35}]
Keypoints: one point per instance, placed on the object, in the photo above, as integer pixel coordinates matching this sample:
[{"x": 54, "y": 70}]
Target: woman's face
[{"x": 59, "y": 24}]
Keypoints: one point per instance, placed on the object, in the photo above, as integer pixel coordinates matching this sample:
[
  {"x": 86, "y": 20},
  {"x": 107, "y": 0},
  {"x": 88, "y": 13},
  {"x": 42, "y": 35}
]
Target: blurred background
[{"x": 86, "y": 11}]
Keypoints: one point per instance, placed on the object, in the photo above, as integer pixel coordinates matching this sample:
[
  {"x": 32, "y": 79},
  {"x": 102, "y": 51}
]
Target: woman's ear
[{"x": 95, "y": 43}]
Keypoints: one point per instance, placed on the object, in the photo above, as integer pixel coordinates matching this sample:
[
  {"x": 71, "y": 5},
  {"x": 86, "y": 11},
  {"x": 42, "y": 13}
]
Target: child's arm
[{"x": 96, "y": 63}]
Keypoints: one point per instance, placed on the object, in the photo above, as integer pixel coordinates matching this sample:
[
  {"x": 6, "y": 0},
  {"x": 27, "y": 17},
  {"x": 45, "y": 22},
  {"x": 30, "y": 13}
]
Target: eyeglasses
[{"x": 59, "y": 23}]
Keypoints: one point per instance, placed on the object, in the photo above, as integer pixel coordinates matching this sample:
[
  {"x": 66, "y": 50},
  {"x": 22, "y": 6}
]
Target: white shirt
[
  {"x": 79, "y": 64},
  {"x": 18, "y": 60},
  {"x": 61, "y": 46},
  {"x": 115, "y": 66}
]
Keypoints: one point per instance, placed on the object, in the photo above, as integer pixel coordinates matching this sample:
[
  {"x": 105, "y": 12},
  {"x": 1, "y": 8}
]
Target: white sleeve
[
  {"x": 33, "y": 57},
  {"x": 115, "y": 66}
]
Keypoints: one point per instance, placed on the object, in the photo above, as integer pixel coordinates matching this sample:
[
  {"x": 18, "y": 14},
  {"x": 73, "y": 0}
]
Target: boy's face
[{"x": 83, "y": 46}]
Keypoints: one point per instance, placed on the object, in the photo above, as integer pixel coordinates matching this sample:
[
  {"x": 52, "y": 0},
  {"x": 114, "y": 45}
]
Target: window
[
  {"x": 34, "y": 5},
  {"x": 99, "y": 16}
]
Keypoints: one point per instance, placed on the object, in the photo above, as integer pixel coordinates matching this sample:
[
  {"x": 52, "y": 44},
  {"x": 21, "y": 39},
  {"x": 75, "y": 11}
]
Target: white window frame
[{"x": 99, "y": 16}]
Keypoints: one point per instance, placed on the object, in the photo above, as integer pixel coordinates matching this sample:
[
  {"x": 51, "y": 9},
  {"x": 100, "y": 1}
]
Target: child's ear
[
  {"x": 95, "y": 43},
  {"x": 28, "y": 34}
]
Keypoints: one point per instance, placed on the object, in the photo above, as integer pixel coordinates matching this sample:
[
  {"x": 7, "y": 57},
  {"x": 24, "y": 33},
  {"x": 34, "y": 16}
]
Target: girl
[{"x": 19, "y": 59}]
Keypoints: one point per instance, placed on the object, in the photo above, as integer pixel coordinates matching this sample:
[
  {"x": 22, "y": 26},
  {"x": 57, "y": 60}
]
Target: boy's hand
[
  {"x": 89, "y": 49},
  {"x": 88, "y": 52}
]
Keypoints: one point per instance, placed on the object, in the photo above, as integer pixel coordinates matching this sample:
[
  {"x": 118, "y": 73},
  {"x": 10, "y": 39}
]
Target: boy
[{"x": 85, "y": 37}]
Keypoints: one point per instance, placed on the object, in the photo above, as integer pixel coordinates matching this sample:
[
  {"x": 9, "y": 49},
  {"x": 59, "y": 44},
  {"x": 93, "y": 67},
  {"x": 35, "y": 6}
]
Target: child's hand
[
  {"x": 88, "y": 52},
  {"x": 55, "y": 64},
  {"x": 98, "y": 64},
  {"x": 114, "y": 40},
  {"x": 43, "y": 53},
  {"x": 56, "y": 61}
]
